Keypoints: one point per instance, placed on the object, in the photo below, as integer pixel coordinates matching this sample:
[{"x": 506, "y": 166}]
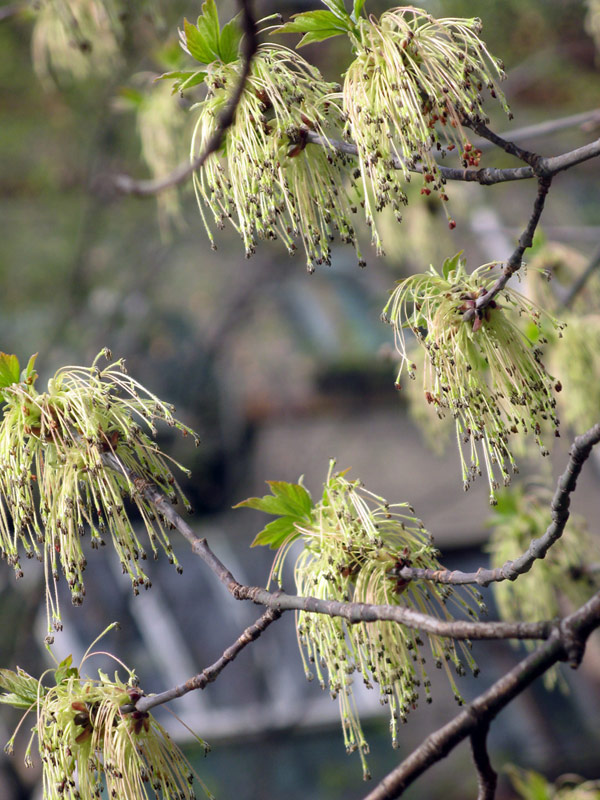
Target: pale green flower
[
  {"x": 406, "y": 94},
  {"x": 56, "y": 484},
  {"x": 485, "y": 372},
  {"x": 555, "y": 584},
  {"x": 88, "y": 740},
  {"x": 354, "y": 544},
  {"x": 265, "y": 180}
]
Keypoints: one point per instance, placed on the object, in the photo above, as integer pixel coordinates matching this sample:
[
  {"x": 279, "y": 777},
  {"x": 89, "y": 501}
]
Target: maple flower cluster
[
  {"x": 414, "y": 82},
  {"x": 70, "y": 459},
  {"x": 354, "y": 547},
  {"x": 477, "y": 363},
  {"x": 90, "y": 737},
  {"x": 265, "y": 181},
  {"x": 414, "y": 85}
]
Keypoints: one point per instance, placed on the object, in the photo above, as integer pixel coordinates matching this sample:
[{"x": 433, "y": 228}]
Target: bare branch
[
  {"x": 486, "y": 176},
  {"x": 580, "y": 451},
  {"x": 486, "y": 776},
  {"x": 125, "y": 184},
  {"x": 516, "y": 259},
  {"x": 499, "y": 141},
  {"x": 484, "y": 708},
  {"x": 363, "y": 612},
  {"x": 202, "y": 679}
]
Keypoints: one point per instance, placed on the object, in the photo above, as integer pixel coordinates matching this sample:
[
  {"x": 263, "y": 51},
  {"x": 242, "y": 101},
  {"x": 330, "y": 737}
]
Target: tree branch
[
  {"x": 581, "y": 281},
  {"x": 364, "y": 612},
  {"x": 125, "y": 184},
  {"x": 516, "y": 259},
  {"x": 576, "y": 627},
  {"x": 504, "y": 144},
  {"x": 208, "y": 675},
  {"x": 486, "y": 776},
  {"x": 579, "y": 453}
]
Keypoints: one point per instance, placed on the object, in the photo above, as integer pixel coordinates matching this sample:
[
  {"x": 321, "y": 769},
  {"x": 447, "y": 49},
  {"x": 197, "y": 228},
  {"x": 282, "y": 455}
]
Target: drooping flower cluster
[
  {"x": 89, "y": 738},
  {"x": 555, "y": 583},
  {"x": 354, "y": 546},
  {"x": 414, "y": 80},
  {"x": 482, "y": 370},
  {"x": 70, "y": 459},
  {"x": 265, "y": 180}
]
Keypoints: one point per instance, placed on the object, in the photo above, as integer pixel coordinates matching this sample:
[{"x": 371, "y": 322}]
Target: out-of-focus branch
[
  {"x": 580, "y": 451},
  {"x": 125, "y": 184},
  {"x": 11, "y": 10},
  {"x": 209, "y": 674},
  {"x": 567, "y": 642},
  {"x": 581, "y": 281},
  {"x": 540, "y": 129},
  {"x": 486, "y": 775}
]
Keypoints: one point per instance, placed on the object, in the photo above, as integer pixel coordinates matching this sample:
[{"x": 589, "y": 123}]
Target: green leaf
[
  {"x": 318, "y": 36},
  {"x": 451, "y": 264},
  {"x": 357, "y": 8},
  {"x": 290, "y": 502},
  {"x": 9, "y": 370},
  {"x": 229, "y": 41},
  {"x": 183, "y": 79},
  {"x": 199, "y": 48},
  {"x": 22, "y": 689},
  {"x": 294, "y": 496},
  {"x": 338, "y": 8},
  {"x": 276, "y": 532},
  {"x": 316, "y": 21},
  {"x": 208, "y": 23},
  {"x": 64, "y": 671}
]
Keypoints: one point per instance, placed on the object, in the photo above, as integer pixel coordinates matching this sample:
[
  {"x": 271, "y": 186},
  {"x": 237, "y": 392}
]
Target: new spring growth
[
  {"x": 264, "y": 180},
  {"x": 70, "y": 459},
  {"x": 354, "y": 546},
  {"x": 481, "y": 368},
  {"x": 413, "y": 84},
  {"x": 559, "y": 581},
  {"x": 89, "y": 739}
]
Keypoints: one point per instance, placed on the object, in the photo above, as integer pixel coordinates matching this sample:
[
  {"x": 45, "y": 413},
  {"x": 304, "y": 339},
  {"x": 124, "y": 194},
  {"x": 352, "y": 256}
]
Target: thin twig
[
  {"x": 487, "y": 778},
  {"x": 202, "y": 679},
  {"x": 579, "y": 453},
  {"x": 574, "y": 630},
  {"x": 125, "y": 184},
  {"x": 516, "y": 259},
  {"x": 352, "y": 612},
  {"x": 508, "y": 146}
]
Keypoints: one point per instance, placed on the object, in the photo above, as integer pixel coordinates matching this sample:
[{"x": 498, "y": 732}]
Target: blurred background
[{"x": 278, "y": 371}]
